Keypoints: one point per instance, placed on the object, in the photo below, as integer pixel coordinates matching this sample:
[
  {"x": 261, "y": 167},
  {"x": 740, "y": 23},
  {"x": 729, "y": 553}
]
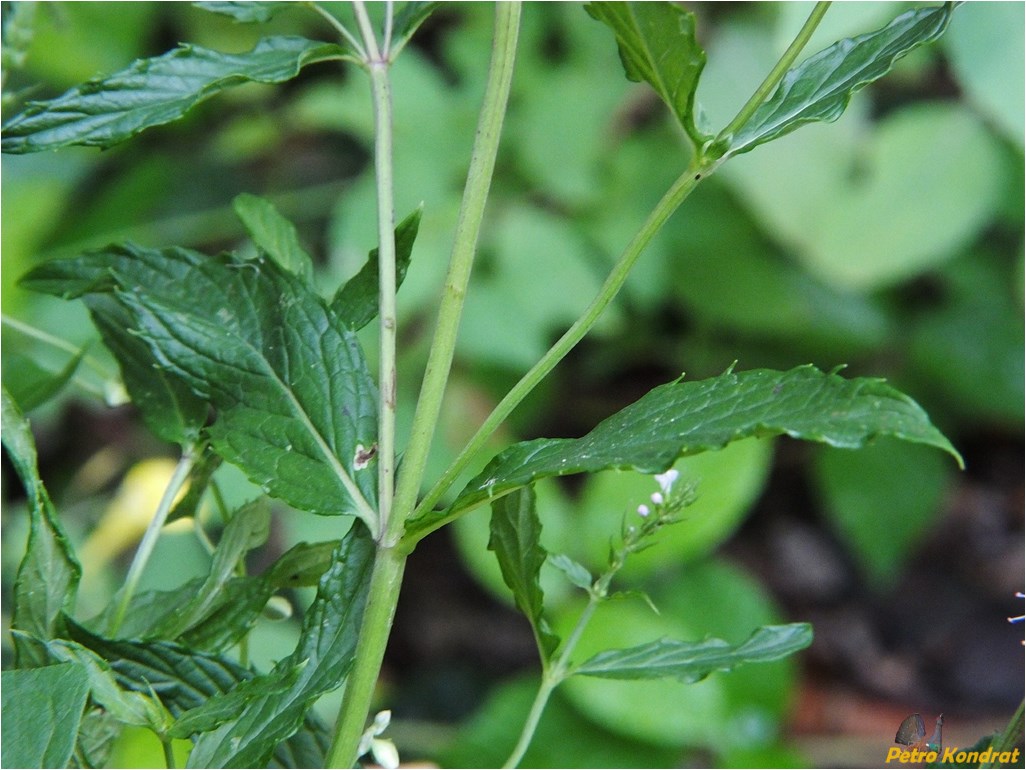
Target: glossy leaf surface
[
  {"x": 657, "y": 45},
  {"x": 820, "y": 87},
  {"x": 152, "y": 92},
  {"x": 296, "y": 405},
  {"x": 318, "y": 665},
  {"x": 682, "y": 418},
  {"x": 693, "y": 661}
]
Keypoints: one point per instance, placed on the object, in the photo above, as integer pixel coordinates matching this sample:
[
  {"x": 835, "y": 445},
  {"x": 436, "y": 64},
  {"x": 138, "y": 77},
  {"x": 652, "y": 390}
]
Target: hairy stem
[
  {"x": 777, "y": 73},
  {"x": 149, "y": 539},
  {"x": 479, "y": 177}
]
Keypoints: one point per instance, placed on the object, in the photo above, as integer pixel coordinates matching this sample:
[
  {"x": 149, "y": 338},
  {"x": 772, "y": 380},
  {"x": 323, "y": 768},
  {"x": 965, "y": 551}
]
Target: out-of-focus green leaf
[
  {"x": 48, "y": 574},
  {"x": 356, "y": 301},
  {"x": 693, "y": 661},
  {"x": 881, "y": 501},
  {"x": 302, "y": 565},
  {"x": 297, "y": 408},
  {"x": 185, "y": 679},
  {"x": 682, "y": 418},
  {"x": 819, "y": 88},
  {"x": 273, "y": 233},
  {"x": 153, "y": 92},
  {"x": 326, "y": 649},
  {"x": 243, "y": 11},
  {"x": 35, "y": 385},
  {"x": 247, "y": 529},
  {"x": 576, "y": 573},
  {"x": 657, "y": 44},
  {"x": 409, "y": 18},
  {"x": 42, "y": 709},
  {"x": 515, "y": 539}
]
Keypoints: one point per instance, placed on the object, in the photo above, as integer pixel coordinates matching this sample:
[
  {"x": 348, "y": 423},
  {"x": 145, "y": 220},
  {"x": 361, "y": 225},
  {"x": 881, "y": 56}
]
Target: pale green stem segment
[
  {"x": 479, "y": 177},
  {"x": 169, "y": 752},
  {"x": 377, "y": 63},
  {"x": 149, "y": 539},
  {"x": 614, "y": 281},
  {"x": 389, "y": 562},
  {"x": 777, "y": 73},
  {"x": 45, "y": 337}
]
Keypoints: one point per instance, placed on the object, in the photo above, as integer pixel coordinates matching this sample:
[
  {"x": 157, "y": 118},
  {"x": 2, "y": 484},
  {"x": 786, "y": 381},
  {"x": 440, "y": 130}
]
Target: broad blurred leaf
[
  {"x": 42, "y": 708},
  {"x": 356, "y": 301},
  {"x": 819, "y": 88},
  {"x": 243, "y": 11},
  {"x": 325, "y": 654},
  {"x": 409, "y": 18},
  {"x": 515, "y": 534},
  {"x": 273, "y": 233},
  {"x": 296, "y": 405},
  {"x": 693, "y": 661},
  {"x": 881, "y": 501},
  {"x": 302, "y": 565},
  {"x": 48, "y": 574},
  {"x": 682, "y": 418},
  {"x": 657, "y": 44},
  {"x": 185, "y": 679},
  {"x": 576, "y": 573},
  {"x": 34, "y": 385},
  {"x": 153, "y": 92}
]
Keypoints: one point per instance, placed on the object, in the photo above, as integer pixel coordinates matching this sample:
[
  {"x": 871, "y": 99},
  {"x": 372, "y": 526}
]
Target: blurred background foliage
[{"x": 890, "y": 241}]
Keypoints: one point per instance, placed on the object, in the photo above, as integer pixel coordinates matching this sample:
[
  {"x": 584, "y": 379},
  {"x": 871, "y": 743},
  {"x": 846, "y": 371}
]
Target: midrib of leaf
[{"x": 366, "y": 512}]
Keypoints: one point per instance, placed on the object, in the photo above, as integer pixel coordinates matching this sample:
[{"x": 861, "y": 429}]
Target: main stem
[{"x": 390, "y": 561}]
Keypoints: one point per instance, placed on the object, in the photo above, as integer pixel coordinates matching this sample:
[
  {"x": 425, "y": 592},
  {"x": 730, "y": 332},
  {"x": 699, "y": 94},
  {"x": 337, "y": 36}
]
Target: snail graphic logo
[{"x": 913, "y": 731}]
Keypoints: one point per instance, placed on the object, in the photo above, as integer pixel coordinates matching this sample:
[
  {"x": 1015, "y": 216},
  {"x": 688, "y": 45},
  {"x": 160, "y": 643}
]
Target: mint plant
[{"x": 242, "y": 360}]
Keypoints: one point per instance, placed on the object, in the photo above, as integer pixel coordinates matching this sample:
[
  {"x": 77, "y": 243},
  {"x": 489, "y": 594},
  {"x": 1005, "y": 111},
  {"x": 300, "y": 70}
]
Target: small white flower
[
  {"x": 643, "y": 511},
  {"x": 382, "y": 749},
  {"x": 657, "y": 498},
  {"x": 666, "y": 480}
]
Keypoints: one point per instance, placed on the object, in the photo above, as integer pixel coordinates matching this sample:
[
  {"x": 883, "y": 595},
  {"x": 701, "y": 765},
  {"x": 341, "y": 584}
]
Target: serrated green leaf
[
  {"x": 185, "y": 679},
  {"x": 166, "y": 404},
  {"x": 42, "y": 709},
  {"x": 327, "y": 645},
  {"x": 127, "y": 706},
  {"x": 152, "y": 92},
  {"x": 356, "y": 302},
  {"x": 247, "y": 529},
  {"x": 302, "y": 565},
  {"x": 683, "y": 418},
  {"x": 657, "y": 45},
  {"x": 243, "y": 11},
  {"x": 575, "y": 572},
  {"x": 273, "y": 233},
  {"x": 693, "y": 661},
  {"x": 48, "y": 575},
  {"x": 296, "y": 404},
  {"x": 820, "y": 87},
  {"x": 515, "y": 539}
]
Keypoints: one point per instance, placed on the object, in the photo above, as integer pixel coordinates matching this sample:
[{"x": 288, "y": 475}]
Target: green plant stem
[
  {"x": 777, "y": 73},
  {"x": 378, "y": 64},
  {"x": 169, "y": 752},
  {"x": 346, "y": 35},
  {"x": 680, "y": 190},
  {"x": 149, "y": 539},
  {"x": 1010, "y": 738},
  {"x": 386, "y": 580},
  {"x": 479, "y": 177}
]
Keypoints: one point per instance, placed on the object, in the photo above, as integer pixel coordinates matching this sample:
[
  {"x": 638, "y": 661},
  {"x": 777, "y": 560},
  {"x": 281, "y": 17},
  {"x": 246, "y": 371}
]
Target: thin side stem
[
  {"x": 149, "y": 539},
  {"x": 475, "y": 196},
  {"x": 340, "y": 28},
  {"x": 777, "y": 73},
  {"x": 47, "y": 338},
  {"x": 680, "y": 190}
]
